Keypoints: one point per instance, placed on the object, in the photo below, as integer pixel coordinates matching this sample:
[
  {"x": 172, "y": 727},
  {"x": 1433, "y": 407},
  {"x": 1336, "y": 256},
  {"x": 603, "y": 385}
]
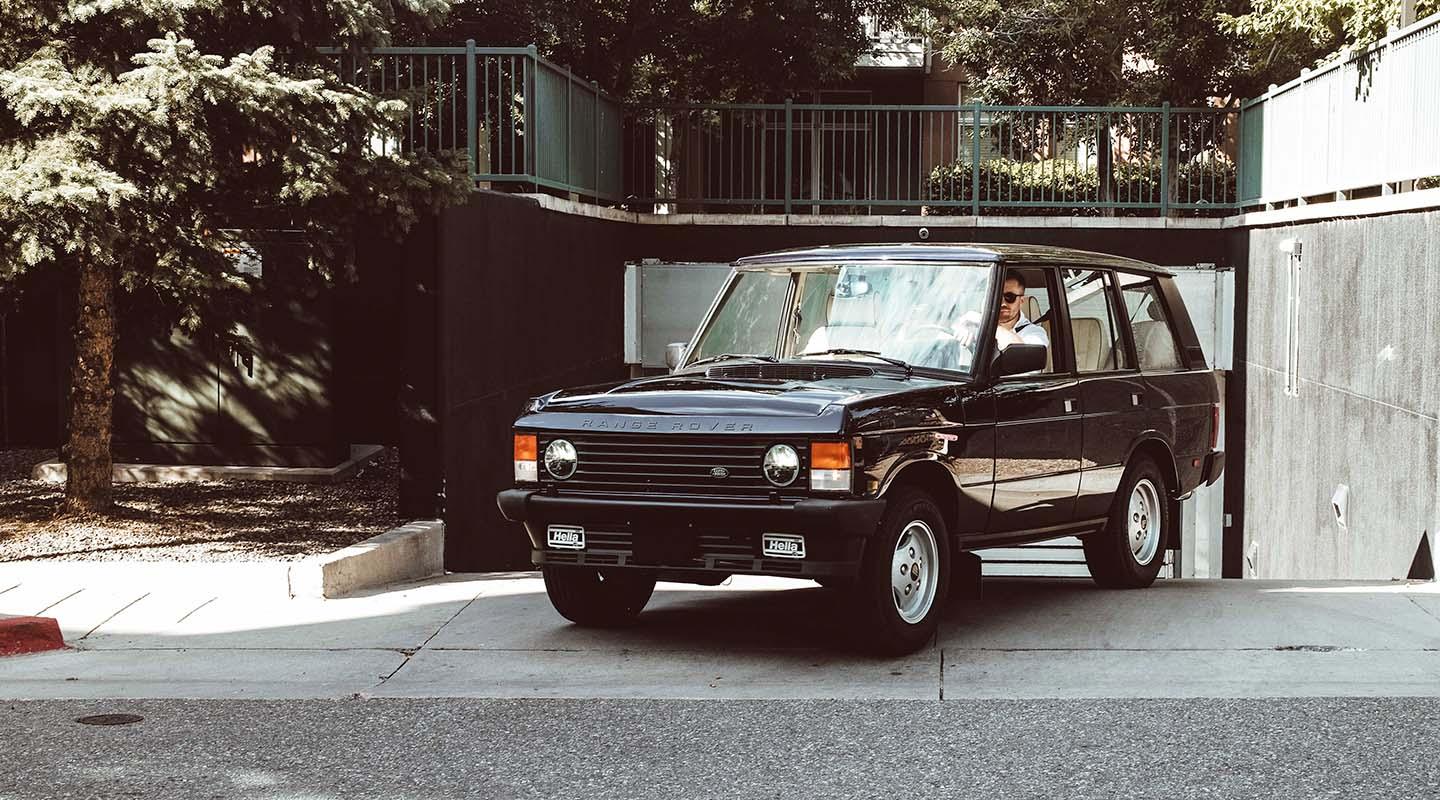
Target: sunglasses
[{"x": 1010, "y": 297}]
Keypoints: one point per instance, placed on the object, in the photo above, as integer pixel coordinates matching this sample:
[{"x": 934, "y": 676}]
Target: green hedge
[{"x": 1064, "y": 187}]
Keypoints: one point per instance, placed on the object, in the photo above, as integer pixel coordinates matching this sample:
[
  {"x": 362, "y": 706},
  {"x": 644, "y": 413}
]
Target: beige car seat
[
  {"x": 1089, "y": 337},
  {"x": 1032, "y": 313},
  {"x": 852, "y": 324},
  {"x": 1153, "y": 342}
]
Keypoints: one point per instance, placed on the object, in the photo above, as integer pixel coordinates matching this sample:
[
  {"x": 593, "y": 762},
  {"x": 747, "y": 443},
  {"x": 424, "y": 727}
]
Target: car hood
[{"x": 697, "y": 403}]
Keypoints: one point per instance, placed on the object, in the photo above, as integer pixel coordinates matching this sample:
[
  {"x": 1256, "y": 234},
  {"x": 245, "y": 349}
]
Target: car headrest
[{"x": 1031, "y": 308}]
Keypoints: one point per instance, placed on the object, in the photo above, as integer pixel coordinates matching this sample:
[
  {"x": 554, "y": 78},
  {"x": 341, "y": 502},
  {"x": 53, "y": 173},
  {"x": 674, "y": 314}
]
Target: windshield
[
  {"x": 748, "y": 318},
  {"x": 910, "y": 312}
]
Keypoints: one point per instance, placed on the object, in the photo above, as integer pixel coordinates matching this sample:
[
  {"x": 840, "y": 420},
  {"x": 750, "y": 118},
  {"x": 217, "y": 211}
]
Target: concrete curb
[
  {"x": 53, "y": 471},
  {"x": 412, "y": 551},
  {"x": 29, "y": 635}
]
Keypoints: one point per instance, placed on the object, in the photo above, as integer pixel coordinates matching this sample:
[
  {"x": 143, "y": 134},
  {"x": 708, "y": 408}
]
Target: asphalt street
[
  {"x": 445, "y": 748},
  {"x": 472, "y": 686}
]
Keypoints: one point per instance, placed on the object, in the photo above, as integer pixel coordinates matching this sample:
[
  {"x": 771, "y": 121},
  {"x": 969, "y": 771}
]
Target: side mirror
[
  {"x": 1018, "y": 359},
  {"x": 674, "y": 354}
]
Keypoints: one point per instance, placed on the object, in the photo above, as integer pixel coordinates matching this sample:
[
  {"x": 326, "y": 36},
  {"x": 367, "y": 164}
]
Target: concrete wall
[
  {"x": 710, "y": 242},
  {"x": 529, "y": 301},
  {"x": 1369, "y": 397},
  {"x": 362, "y": 334}
]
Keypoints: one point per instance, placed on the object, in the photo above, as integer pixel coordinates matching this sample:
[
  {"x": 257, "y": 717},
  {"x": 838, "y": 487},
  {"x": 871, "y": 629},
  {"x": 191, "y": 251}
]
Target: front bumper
[{"x": 702, "y": 536}]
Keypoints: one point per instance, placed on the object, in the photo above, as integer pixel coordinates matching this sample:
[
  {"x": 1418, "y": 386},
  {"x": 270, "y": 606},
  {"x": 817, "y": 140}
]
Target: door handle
[
  {"x": 1134, "y": 399},
  {"x": 1069, "y": 406}
]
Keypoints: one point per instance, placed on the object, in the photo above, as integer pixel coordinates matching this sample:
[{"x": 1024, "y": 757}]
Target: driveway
[{"x": 228, "y": 631}]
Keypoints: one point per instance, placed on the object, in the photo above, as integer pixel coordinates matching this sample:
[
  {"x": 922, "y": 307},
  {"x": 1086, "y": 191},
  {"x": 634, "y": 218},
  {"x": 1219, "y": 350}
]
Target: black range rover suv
[{"x": 840, "y": 416}]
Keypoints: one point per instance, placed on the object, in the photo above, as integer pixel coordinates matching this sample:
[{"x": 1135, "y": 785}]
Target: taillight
[
  {"x": 1214, "y": 425},
  {"x": 527, "y": 450},
  {"x": 830, "y": 466}
]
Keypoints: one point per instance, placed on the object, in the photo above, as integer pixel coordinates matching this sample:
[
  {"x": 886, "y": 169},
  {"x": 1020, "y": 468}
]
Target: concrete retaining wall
[
  {"x": 1368, "y": 411},
  {"x": 410, "y": 552}
]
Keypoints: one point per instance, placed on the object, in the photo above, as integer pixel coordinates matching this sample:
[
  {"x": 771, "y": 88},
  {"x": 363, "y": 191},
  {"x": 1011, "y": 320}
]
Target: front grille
[
  {"x": 789, "y": 372},
  {"x": 678, "y": 465}
]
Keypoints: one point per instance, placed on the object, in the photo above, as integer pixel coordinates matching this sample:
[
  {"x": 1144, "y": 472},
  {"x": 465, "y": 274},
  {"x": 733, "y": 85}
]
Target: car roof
[{"x": 1018, "y": 255}]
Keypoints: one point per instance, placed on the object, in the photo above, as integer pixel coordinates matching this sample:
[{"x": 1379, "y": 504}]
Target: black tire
[
  {"x": 598, "y": 598},
  {"x": 883, "y": 627},
  {"x": 1111, "y": 553}
]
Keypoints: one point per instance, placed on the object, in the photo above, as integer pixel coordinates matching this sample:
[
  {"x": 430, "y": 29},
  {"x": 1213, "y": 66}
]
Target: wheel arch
[
  {"x": 1159, "y": 451},
  {"x": 1163, "y": 456},
  {"x": 930, "y": 476}
]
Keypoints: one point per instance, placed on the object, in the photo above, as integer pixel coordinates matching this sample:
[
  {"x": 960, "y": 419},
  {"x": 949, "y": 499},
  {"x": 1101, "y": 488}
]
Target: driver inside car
[{"x": 1013, "y": 326}]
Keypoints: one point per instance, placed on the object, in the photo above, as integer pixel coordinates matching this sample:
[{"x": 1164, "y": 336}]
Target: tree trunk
[{"x": 92, "y": 393}]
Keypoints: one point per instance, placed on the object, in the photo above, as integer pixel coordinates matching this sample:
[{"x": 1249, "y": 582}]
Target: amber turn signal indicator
[
  {"x": 526, "y": 447},
  {"x": 829, "y": 455}
]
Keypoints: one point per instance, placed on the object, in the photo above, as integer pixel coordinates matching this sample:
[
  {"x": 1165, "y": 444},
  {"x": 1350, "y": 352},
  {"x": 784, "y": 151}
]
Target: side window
[
  {"x": 1094, "y": 325},
  {"x": 1036, "y": 310},
  {"x": 1155, "y": 346}
]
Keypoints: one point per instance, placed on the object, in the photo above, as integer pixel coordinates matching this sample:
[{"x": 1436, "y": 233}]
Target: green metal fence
[
  {"x": 521, "y": 119},
  {"x": 528, "y": 123},
  {"x": 970, "y": 159}
]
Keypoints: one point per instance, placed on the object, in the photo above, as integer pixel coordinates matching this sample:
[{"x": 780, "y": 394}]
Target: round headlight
[
  {"x": 782, "y": 465},
  {"x": 561, "y": 459}
]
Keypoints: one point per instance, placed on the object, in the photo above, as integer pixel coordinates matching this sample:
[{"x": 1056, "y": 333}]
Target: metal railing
[
  {"x": 1363, "y": 121},
  {"x": 528, "y": 123},
  {"x": 974, "y": 159},
  {"x": 520, "y": 118}
]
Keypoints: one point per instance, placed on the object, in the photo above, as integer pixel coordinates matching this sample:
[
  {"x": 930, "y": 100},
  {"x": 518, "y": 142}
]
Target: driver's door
[{"x": 1038, "y": 428}]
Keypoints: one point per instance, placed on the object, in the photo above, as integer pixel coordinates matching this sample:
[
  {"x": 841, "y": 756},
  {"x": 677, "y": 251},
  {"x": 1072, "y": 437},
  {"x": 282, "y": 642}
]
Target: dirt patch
[{"x": 201, "y": 521}]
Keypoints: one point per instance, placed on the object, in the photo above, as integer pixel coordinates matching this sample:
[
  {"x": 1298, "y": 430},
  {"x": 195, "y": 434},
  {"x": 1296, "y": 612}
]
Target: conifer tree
[{"x": 135, "y": 135}]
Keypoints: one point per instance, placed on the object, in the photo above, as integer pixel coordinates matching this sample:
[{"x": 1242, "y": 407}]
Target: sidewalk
[{"x": 229, "y": 631}]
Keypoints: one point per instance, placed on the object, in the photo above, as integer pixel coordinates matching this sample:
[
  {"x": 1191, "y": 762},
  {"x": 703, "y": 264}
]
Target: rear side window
[
  {"x": 1155, "y": 346},
  {"x": 1094, "y": 324}
]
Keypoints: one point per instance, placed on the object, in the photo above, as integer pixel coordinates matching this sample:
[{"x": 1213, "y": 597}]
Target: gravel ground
[{"x": 202, "y": 521}]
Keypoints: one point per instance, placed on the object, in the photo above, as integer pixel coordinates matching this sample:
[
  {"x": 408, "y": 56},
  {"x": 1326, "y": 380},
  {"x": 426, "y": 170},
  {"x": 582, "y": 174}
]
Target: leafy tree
[
  {"x": 1093, "y": 52},
  {"x": 711, "y": 50},
  {"x": 1059, "y": 52},
  {"x": 135, "y": 134},
  {"x": 1301, "y": 31}
]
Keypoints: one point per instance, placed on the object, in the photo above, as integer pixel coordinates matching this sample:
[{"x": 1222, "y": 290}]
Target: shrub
[{"x": 1050, "y": 187}]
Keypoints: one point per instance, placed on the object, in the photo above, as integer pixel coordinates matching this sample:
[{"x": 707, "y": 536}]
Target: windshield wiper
[
  {"x": 727, "y": 356},
  {"x": 847, "y": 351}
]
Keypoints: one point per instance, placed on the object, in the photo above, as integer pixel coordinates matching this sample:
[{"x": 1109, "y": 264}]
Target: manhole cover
[{"x": 110, "y": 719}]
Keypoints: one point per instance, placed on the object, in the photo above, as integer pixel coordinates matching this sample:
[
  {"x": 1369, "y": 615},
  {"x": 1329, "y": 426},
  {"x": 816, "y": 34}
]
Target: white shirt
[{"x": 1030, "y": 332}]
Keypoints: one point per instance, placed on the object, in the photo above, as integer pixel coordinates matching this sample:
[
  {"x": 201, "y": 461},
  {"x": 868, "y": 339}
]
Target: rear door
[{"x": 1179, "y": 403}]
